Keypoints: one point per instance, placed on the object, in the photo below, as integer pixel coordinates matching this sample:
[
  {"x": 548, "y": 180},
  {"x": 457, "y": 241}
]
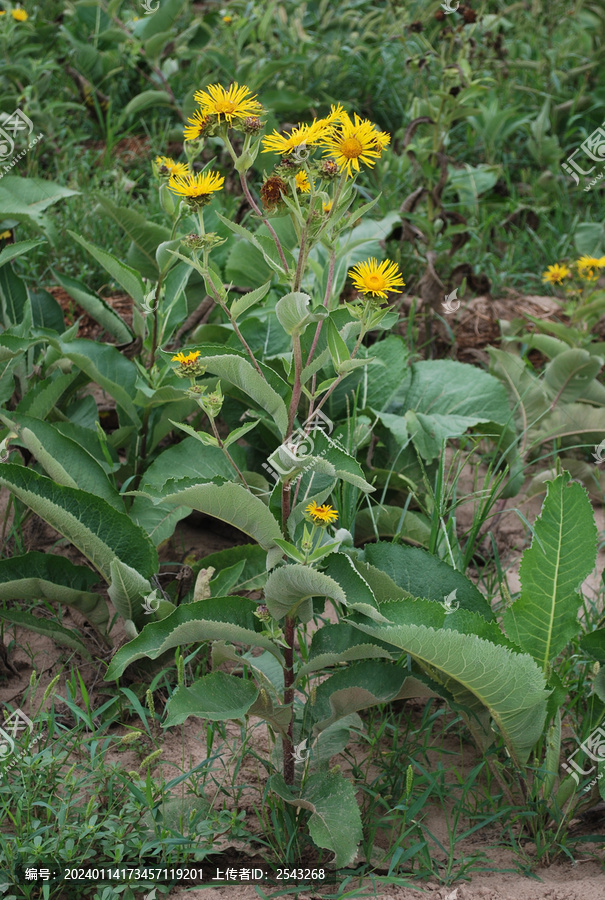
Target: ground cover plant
[{"x": 248, "y": 304}]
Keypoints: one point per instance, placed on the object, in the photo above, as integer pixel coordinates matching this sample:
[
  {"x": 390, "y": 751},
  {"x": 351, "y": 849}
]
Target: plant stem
[
  {"x": 288, "y": 743},
  {"x": 297, "y": 387},
  {"x": 226, "y": 452},
  {"x": 242, "y": 339}
]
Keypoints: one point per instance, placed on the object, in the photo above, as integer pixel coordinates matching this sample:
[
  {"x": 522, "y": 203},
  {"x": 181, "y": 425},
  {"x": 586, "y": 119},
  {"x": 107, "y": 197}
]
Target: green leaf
[
  {"x": 393, "y": 522},
  {"x": 509, "y": 685},
  {"x": 65, "y": 461},
  {"x": 96, "y": 307},
  {"x": 127, "y": 590},
  {"x": 145, "y": 236},
  {"x": 335, "y": 823},
  {"x": 11, "y": 251},
  {"x": 217, "y": 618},
  {"x": 43, "y": 576},
  {"x": 124, "y": 275},
  {"x": 241, "y": 373},
  {"x": 358, "y": 686},
  {"x": 423, "y": 575},
  {"x": 13, "y": 296},
  {"x": 294, "y": 314},
  {"x": 568, "y": 375},
  {"x": 334, "y": 644},
  {"x": 562, "y": 554},
  {"x": 241, "y": 304},
  {"x": 231, "y": 503},
  {"x": 48, "y": 627},
  {"x": 47, "y": 395},
  {"x": 594, "y": 644},
  {"x": 90, "y": 523},
  {"x": 25, "y": 200},
  {"x": 107, "y": 367},
  {"x": 216, "y": 697},
  {"x": 147, "y": 100},
  {"x": 289, "y": 590},
  {"x": 46, "y": 312}
]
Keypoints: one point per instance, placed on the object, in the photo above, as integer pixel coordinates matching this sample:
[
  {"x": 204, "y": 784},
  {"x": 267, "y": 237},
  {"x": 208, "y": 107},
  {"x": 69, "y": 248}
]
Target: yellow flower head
[
  {"x": 371, "y": 278},
  {"x": 165, "y": 162},
  {"x": 233, "y": 103},
  {"x": 19, "y": 15},
  {"x": 227, "y": 19},
  {"x": 327, "y": 206},
  {"x": 303, "y": 135},
  {"x": 196, "y": 187},
  {"x": 186, "y": 360},
  {"x": 302, "y": 182},
  {"x": 2, "y": 12},
  {"x": 4, "y": 235},
  {"x": 198, "y": 125},
  {"x": 555, "y": 274},
  {"x": 355, "y": 142},
  {"x": 588, "y": 267},
  {"x": 321, "y": 515}
]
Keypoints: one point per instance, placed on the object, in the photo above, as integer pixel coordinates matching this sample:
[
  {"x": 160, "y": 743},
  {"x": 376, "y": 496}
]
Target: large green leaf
[
  {"x": 11, "y": 251},
  {"x": 47, "y": 395},
  {"x": 43, "y": 576},
  {"x": 65, "y": 461},
  {"x": 25, "y": 200},
  {"x": 289, "y": 589},
  {"x": 96, "y": 307},
  {"x": 356, "y": 687},
  {"x": 335, "y": 823},
  {"x": 13, "y": 296},
  {"x": 144, "y": 235},
  {"x": 563, "y": 552},
  {"x": 423, "y": 575},
  {"x": 509, "y": 685},
  {"x": 444, "y": 398},
  {"x": 100, "y": 532},
  {"x": 49, "y": 628},
  {"x": 107, "y": 367},
  {"x": 124, "y": 275},
  {"x": 214, "y": 619},
  {"x": 334, "y": 644},
  {"x": 231, "y": 503},
  {"x": 216, "y": 697}
]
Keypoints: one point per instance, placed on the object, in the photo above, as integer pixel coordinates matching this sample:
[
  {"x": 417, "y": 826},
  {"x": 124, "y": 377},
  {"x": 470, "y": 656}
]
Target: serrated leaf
[
  {"x": 334, "y": 644},
  {"x": 509, "y": 685},
  {"x": 11, "y": 251},
  {"x": 216, "y": 697},
  {"x": 100, "y": 532},
  {"x": 217, "y": 618},
  {"x": 241, "y": 304},
  {"x": 289, "y": 589},
  {"x": 358, "y": 686},
  {"x": 43, "y": 576},
  {"x": 127, "y": 590},
  {"x": 124, "y": 275},
  {"x": 562, "y": 554},
  {"x": 234, "y": 504}
]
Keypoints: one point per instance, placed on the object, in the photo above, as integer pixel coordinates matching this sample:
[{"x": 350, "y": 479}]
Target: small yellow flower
[
  {"x": 302, "y": 182},
  {"x": 173, "y": 168},
  {"x": 227, "y": 19},
  {"x": 327, "y": 206},
  {"x": 371, "y": 278},
  {"x": 2, "y": 12},
  {"x": 5, "y": 235},
  {"x": 355, "y": 142},
  {"x": 196, "y": 187},
  {"x": 186, "y": 360},
  {"x": 198, "y": 123},
  {"x": 321, "y": 515},
  {"x": 19, "y": 15},
  {"x": 586, "y": 266},
  {"x": 555, "y": 274},
  {"x": 233, "y": 103}
]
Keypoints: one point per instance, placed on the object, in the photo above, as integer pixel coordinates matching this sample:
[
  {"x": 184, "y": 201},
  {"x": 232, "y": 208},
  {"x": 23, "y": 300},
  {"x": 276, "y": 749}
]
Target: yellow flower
[
  {"x": 233, "y": 103},
  {"x": 196, "y": 186},
  {"x": 173, "y": 168},
  {"x": 197, "y": 126},
  {"x": 186, "y": 360},
  {"x": 302, "y": 182},
  {"x": 371, "y": 278},
  {"x": 227, "y": 19},
  {"x": 306, "y": 135},
  {"x": 327, "y": 206},
  {"x": 321, "y": 515},
  {"x": 383, "y": 139},
  {"x": 586, "y": 266},
  {"x": 19, "y": 15},
  {"x": 5, "y": 235},
  {"x": 2, "y": 12},
  {"x": 555, "y": 274},
  {"x": 354, "y": 142}
]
